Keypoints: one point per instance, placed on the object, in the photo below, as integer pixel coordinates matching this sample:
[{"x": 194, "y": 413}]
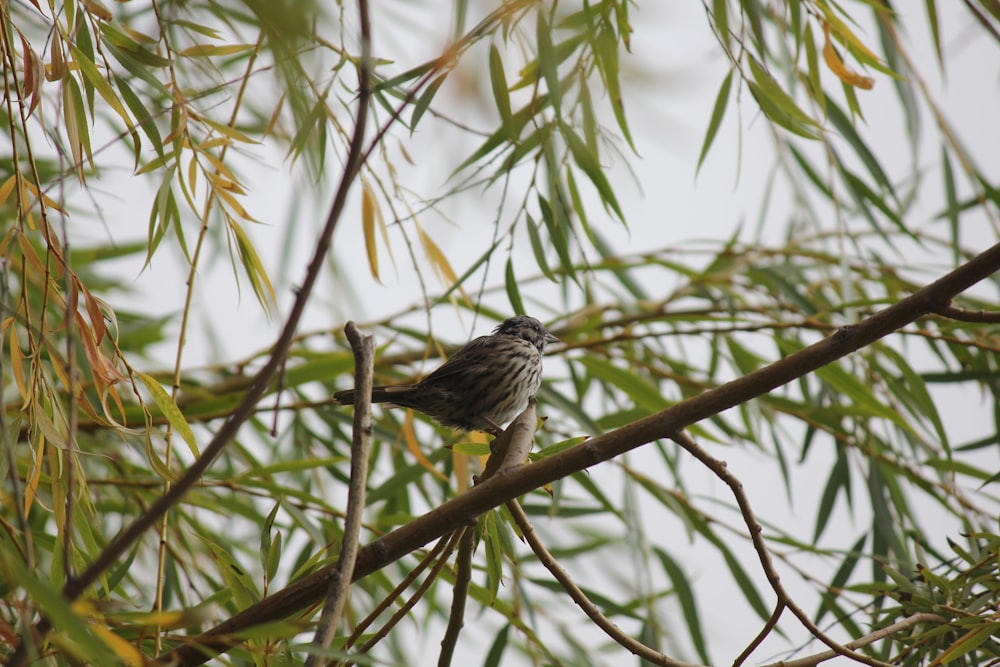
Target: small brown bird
[{"x": 482, "y": 386}]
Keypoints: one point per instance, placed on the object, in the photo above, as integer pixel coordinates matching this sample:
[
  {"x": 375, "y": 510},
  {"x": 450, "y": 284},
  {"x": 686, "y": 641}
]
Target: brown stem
[
  {"x": 340, "y": 583},
  {"x": 580, "y": 598},
  {"x": 962, "y": 315}
]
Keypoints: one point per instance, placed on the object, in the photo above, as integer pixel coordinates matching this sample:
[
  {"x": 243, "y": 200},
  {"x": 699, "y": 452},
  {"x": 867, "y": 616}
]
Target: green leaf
[
  {"x": 238, "y": 581},
  {"x": 497, "y": 648},
  {"x": 589, "y": 162},
  {"x": 932, "y": 21},
  {"x": 548, "y": 60},
  {"x": 557, "y": 236},
  {"x": 76, "y": 122},
  {"x": 951, "y": 202},
  {"x": 718, "y": 112},
  {"x": 686, "y": 598},
  {"x": 498, "y": 83},
  {"x": 100, "y": 84},
  {"x": 639, "y": 389},
  {"x": 513, "y": 292},
  {"x": 606, "y": 57},
  {"x": 860, "y": 394},
  {"x": 839, "y": 479},
  {"x": 720, "y": 19},
  {"x": 812, "y": 61},
  {"x": 130, "y": 47},
  {"x": 253, "y": 267},
  {"x": 142, "y": 116},
  {"x": 777, "y": 104},
  {"x": 970, "y": 641},
  {"x": 170, "y": 410},
  {"x": 846, "y": 129},
  {"x": 494, "y": 553},
  {"x": 424, "y": 101}
]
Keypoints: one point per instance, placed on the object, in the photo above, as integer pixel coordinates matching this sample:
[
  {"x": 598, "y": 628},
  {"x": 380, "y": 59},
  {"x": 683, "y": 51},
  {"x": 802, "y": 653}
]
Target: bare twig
[
  {"x": 772, "y": 622},
  {"x": 962, "y": 315},
  {"x": 440, "y": 553},
  {"x": 756, "y": 536},
  {"x": 511, "y": 447},
  {"x": 403, "y": 611},
  {"x": 881, "y": 633},
  {"x": 340, "y": 583},
  {"x": 459, "y": 596},
  {"x": 500, "y": 488},
  {"x": 580, "y": 598}
]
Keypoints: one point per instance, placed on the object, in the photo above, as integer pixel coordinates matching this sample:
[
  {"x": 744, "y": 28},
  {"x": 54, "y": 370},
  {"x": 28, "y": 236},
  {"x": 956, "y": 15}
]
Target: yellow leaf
[
  {"x": 837, "y": 66},
  {"x": 17, "y": 362},
  {"x": 6, "y": 189},
  {"x": 234, "y": 205},
  {"x": 46, "y": 200},
  {"x": 31, "y": 487},
  {"x": 438, "y": 261},
  {"x": 411, "y": 444},
  {"x": 128, "y": 653},
  {"x": 370, "y": 213},
  {"x": 97, "y": 9},
  {"x": 214, "y": 50}
]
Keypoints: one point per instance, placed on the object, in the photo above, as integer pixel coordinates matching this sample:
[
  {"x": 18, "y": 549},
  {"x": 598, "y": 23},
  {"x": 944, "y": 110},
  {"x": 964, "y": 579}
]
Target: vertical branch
[
  {"x": 340, "y": 583},
  {"x": 459, "y": 596},
  {"x": 71, "y": 409}
]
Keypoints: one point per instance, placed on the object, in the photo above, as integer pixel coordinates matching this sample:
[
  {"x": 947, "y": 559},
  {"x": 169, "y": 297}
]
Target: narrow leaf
[{"x": 718, "y": 112}]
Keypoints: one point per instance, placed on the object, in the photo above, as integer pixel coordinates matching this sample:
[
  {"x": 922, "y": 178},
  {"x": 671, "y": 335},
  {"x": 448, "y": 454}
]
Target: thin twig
[
  {"x": 403, "y": 611},
  {"x": 340, "y": 584},
  {"x": 580, "y": 598},
  {"x": 771, "y": 623},
  {"x": 881, "y": 633},
  {"x": 438, "y": 552},
  {"x": 962, "y": 315},
  {"x": 459, "y": 596},
  {"x": 756, "y": 536}
]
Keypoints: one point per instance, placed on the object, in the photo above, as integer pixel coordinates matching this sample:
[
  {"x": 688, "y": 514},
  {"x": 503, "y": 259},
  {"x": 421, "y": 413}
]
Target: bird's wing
[{"x": 464, "y": 361}]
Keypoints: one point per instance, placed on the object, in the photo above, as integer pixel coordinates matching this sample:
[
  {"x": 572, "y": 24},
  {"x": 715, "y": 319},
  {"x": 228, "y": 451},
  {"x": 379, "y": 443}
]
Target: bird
[{"x": 484, "y": 385}]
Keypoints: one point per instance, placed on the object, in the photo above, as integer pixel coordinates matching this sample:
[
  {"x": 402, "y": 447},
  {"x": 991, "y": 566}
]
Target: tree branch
[
  {"x": 881, "y": 633},
  {"x": 785, "y": 600},
  {"x": 511, "y": 483},
  {"x": 340, "y": 583},
  {"x": 962, "y": 315},
  {"x": 580, "y": 598}
]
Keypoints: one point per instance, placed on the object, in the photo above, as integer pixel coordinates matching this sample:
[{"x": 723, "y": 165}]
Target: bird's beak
[{"x": 549, "y": 338}]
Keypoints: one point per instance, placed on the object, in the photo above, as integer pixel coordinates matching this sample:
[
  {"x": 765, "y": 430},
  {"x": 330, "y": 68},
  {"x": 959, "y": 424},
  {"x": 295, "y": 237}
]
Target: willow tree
[{"x": 777, "y": 445}]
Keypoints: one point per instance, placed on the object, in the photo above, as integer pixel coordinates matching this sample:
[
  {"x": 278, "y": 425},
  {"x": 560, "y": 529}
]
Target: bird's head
[{"x": 527, "y": 328}]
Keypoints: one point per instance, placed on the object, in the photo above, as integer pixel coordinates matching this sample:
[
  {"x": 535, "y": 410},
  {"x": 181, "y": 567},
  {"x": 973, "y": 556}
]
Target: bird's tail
[{"x": 379, "y": 395}]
